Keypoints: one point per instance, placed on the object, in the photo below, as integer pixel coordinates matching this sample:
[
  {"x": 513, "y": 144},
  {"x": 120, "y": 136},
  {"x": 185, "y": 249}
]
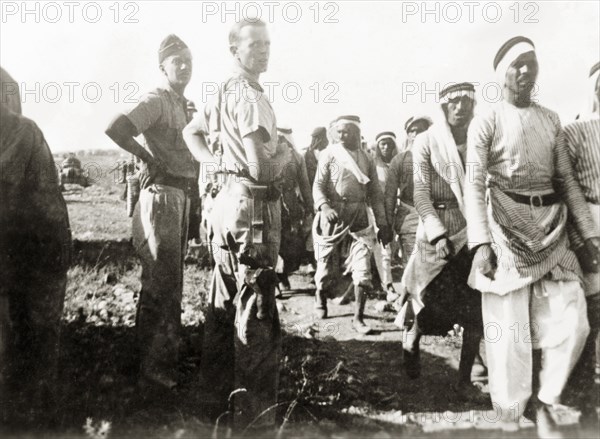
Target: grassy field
[{"x": 97, "y": 212}]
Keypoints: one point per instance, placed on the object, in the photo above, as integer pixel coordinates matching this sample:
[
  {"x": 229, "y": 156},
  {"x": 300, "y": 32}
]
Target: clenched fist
[
  {"x": 485, "y": 260},
  {"x": 149, "y": 172},
  {"x": 444, "y": 248}
]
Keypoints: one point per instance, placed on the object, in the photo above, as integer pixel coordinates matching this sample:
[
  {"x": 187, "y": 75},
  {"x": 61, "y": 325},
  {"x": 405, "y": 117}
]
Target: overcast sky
[{"x": 383, "y": 61}]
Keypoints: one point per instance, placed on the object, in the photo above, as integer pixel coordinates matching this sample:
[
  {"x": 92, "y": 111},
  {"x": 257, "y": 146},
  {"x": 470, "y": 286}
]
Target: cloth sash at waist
[
  {"x": 326, "y": 240},
  {"x": 529, "y": 243},
  {"x": 424, "y": 264}
]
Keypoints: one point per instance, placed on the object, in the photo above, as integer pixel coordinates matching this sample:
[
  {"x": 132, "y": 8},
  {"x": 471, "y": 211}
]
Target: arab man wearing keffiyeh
[
  {"x": 345, "y": 185},
  {"x": 517, "y": 197},
  {"x": 436, "y": 274},
  {"x": 384, "y": 151}
]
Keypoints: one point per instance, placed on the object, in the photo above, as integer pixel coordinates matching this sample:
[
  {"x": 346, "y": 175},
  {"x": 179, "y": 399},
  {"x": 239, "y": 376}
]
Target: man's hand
[
  {"x": 485, "y": 260},
  {"x": 444, "y": 248},
  {"x": 149, "y": 172},
  {"x": 384, "y": 235},
  {"x": 329, "y": 213},
  {"x": 591, "y": 256}
]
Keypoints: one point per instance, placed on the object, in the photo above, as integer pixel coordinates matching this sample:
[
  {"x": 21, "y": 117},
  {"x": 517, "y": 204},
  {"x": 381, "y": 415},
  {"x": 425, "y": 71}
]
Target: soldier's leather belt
[
  {"x": 247, "y": 189},
  {"x": 448, "y": 204},
  {"x": 535, "y": 200},
  {"x": 183, "y": 183}
]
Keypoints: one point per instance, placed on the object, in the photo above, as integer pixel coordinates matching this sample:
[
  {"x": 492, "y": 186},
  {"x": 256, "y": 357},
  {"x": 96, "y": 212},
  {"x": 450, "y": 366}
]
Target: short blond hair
[{"x": 234, "y": 33}]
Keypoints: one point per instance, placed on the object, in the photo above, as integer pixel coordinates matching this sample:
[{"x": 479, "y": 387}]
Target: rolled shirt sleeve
[
  {"x": 146, "y": 113},
  {"x": 199, "y": 124},
  {"x": 250, "y": 119}
]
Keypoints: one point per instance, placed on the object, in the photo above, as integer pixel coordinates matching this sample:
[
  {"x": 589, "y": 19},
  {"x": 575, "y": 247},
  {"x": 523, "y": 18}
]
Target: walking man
[
  {"x": 399, "y": 195},
  {"x": 385, "y": 150},
  {"x": 436, "y": 274},
  {"x": 345, "y": 186}
]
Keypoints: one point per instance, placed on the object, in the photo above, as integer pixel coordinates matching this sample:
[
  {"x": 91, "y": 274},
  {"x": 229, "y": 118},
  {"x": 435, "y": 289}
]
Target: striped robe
[
  {"x": 505, "y": 156},
  {"x": 400, "y": 178},
  {"x": 431, "y": 187},
  {"x": 382, "y": 254},
  {"x": 403, "y": 216},
  {"x": 583, "y": 141}
]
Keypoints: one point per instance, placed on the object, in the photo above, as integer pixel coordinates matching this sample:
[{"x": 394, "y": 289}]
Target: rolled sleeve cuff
[
  {"x": 319, "y": 202},
  {"x": 433, "y": 228},
  {"x": 199, "y": 124},
  {"x": 478, "y": 238},
  {"x": 145, "y": 113}
]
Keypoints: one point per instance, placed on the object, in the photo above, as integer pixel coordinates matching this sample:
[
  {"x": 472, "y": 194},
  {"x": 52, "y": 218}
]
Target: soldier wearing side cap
[{"x": 160, "y": 222}]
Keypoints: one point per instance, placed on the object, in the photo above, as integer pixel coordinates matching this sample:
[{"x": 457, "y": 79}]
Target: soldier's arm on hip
[
  {"x": 194, "y": 135},
  {"x": 122, "y": 131}
]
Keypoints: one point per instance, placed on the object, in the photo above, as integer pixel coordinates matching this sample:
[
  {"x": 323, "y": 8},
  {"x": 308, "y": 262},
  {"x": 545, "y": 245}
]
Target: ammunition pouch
[{"x": 259, "y": 196}]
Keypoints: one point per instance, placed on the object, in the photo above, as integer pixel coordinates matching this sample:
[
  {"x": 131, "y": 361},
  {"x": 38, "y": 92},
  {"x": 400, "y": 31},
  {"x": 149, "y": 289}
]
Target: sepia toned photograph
[{"x": 312, "y": 219}]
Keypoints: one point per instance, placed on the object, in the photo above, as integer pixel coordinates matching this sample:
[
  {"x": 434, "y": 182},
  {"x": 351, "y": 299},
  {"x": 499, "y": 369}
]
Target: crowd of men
[{"x": 496, "y": 217}]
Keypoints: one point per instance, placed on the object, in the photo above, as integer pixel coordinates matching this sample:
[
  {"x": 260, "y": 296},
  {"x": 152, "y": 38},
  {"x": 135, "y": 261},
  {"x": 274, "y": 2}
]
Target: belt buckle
[
  {"x": 532, "y": 201},
  {"x": 441, "y": 206}
]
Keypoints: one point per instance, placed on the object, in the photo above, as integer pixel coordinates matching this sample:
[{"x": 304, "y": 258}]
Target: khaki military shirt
[{"x": 160, "y": 117}]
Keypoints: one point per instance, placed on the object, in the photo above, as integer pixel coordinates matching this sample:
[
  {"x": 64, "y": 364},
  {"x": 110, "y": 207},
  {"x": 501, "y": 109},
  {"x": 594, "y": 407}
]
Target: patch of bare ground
[{"x": 334, "y": 383}]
